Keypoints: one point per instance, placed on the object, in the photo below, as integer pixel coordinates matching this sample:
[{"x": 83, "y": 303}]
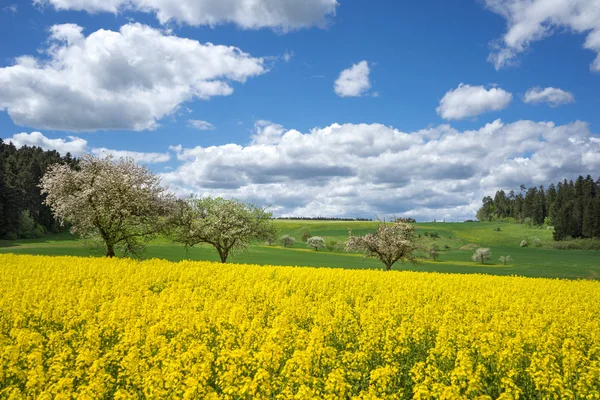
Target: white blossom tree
[
  {"x": 392, "y": 242},
  {"x": 116, "y": 202},
  {"x": 227, "y": 225},
  {"x": 316, "y": 242},
  {"x": 505, "y": 259},
  {"x": 482, "y": 255}
]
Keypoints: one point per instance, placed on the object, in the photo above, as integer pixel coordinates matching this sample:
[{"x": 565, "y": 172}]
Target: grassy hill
[{"x": 456, "y": 241}]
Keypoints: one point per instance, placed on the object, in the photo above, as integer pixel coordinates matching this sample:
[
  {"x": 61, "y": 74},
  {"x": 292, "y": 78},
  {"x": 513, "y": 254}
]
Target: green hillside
[{"x": 456, "y": 242}]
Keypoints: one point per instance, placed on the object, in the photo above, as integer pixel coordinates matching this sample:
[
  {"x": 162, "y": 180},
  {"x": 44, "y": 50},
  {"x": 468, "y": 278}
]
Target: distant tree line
[
  {"x": 324, "y": 219},
  {"x": 572, "y": 207},
  {"x": 22, "y": 212}
]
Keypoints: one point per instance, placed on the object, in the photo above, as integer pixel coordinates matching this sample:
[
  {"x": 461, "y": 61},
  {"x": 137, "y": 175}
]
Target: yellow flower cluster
[{"x": 100, "y": 328}]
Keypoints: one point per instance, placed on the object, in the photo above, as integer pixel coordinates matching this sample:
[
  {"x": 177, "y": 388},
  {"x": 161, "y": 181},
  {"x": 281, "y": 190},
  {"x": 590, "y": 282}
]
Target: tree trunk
[
  {"x": 110, "y": 250},
  {"x": 223, "y": 254},
  {"x": 388, "y": 267}
]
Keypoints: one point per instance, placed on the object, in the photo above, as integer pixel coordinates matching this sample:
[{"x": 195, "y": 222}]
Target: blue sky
[{"x": 283, "y": 136}]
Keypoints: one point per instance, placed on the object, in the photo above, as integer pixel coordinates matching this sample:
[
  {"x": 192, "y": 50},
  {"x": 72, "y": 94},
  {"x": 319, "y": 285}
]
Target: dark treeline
[
  {"x": 572, "y": 207},
  {"x": 22, "y": 214},
  {"x": 325, "y": 219}
]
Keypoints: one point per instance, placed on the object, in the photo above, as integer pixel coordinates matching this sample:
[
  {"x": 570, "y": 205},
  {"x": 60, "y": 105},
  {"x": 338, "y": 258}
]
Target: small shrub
[
  {"x": 524, "y": 243},
  {"x": 497, "y": 229},
  {"x": 537, "y": 242},
  {"x": 11, "y": 236},
  {"x": 577, "y": 244},
  {"x": 434, "y": 235}
]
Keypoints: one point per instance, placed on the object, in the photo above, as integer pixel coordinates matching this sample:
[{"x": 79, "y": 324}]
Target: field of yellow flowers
[{"x": 100, "y": 328}]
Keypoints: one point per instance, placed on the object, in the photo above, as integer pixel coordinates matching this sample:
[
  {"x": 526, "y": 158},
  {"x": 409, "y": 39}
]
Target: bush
[
  {"x": 524, "y": 243},
  {"x": 577, "y": 244},
  {"x": 497, "y": 229},
  {"x": 333, "y": 245},
  {"x": 35, "y": 233},
  {"x": 11, "y": 236}
]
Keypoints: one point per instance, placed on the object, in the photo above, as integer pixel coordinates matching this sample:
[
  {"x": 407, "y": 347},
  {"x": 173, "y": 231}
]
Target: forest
[
  {"x": 22, "y": 212},
  {"x": 571, "y": 207}
]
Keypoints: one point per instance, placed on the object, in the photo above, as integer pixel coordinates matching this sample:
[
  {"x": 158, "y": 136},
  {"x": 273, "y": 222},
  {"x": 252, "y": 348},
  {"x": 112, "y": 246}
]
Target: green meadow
[{"x": 456, "y": 241}]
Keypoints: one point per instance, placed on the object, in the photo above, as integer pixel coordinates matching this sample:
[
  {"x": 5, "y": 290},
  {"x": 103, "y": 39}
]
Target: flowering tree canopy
[
  {"x": 118, "y": 203},
  {"x": 316, "y": 242},
  {"x": 227, "y": 225},
  {"x": 482, "y": 255},
  {"x": 391, "y": 242}
]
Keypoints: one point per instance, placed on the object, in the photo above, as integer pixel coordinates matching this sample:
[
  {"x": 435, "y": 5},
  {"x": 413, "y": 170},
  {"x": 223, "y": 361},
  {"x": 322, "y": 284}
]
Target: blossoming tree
[
  {"x": 116, "y": 202},
  {"x": 392, "y": 242},
  {"x": 227, "y": 225}
]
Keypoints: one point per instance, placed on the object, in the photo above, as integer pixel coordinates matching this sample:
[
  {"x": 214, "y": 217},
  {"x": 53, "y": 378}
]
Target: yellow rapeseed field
[{"x": 99, "y": 328}]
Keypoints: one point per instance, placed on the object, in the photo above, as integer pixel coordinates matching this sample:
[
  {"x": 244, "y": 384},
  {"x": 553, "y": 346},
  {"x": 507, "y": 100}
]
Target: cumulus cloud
[
  {"x": 128, "y": 79},
  {"x": 551, "y": 96},
  {"x": 78, "y": 147},
  {"x": 282, "y": 15},
  {"x": 200, "y": 125},
  {"x": 532, "y": 20},
  {"x": 469, "y": 101},
  {"x": 373, "y": 169},
  {"x": 354, "y": 81},
  {"x": 74, "y": 145}
]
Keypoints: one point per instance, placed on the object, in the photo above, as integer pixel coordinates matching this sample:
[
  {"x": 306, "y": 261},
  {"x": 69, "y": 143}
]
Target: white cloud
[
  {"x": 200, "y": 125},
  {"x": 11, "y": 9},
  {"x": 74, "y": 145},
  {"x": 470, "y": 101},
  {"x": 368, "y": 170},
  {"x": 266, "y": 132},
  {"x": 532, "y": 20},
  {"x": 78, "y": 147},
  {"x": 287, "y": 56},
  {"x": 281, "y": 15},
  {"x": 552, "y": 96},
  {"x": 354, "y": 81},
  {"x": 137, "y": 156},
  {"x": 117, "y": 80}
]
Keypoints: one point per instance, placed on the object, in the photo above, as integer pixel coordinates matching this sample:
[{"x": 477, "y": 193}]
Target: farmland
[
  {"x": 460, "y": 238},
  {"x": 103, "y": 328}
]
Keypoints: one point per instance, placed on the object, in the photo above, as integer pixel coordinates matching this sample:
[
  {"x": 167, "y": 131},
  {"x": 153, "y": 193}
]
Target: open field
[
  {"x": 120, "y": 328},
  {"x": 460, "y": 238}
]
